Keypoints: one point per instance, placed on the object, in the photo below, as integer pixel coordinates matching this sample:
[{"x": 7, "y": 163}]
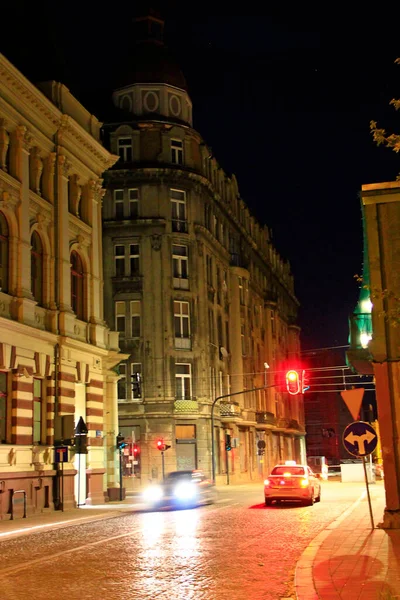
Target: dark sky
[{"x": 284, "y": 99}]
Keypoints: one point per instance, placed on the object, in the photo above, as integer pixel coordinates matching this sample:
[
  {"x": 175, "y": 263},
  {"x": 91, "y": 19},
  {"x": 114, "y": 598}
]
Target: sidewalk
[{"x": 351, "y": 561}]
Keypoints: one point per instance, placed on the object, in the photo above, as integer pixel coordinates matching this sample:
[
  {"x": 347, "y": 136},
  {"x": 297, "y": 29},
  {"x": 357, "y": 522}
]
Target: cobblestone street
[{"x": 236, "y": 549}]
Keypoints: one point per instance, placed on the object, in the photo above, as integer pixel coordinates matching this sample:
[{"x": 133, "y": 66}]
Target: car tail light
[
  {"x": 266, "y": 482},
  {"x": 304, "y": 483}
]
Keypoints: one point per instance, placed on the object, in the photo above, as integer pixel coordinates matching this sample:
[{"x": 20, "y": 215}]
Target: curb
[{"x": 303, "y": 578}]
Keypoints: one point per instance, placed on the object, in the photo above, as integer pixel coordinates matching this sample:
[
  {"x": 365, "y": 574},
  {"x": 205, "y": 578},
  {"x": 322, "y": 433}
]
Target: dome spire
[{"x": 149, "y": 28}]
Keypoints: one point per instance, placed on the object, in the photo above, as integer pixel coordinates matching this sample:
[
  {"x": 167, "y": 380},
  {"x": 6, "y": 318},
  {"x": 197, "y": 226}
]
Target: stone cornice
[
  {"x": 23, "y": 91},
  {"x": 85, "y": 140},
  {"x": 27, "y": 99}
]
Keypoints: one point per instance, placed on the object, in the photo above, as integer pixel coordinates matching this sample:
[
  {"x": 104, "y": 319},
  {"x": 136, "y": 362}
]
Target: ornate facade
[
  {"x": 56, "y": 352},
  {"x": 204, "y": 305}
]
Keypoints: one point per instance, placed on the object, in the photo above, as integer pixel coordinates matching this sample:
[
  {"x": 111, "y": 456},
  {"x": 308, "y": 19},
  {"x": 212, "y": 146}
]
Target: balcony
[
  {"x": 179, "y": 226},
  {"x": 133, "y": 283},
  {"x": 183, "y": 343},
  {"x": 265, "y": 418},
  {"x": 229, "y": 409},
  {"x": 181, "y": 283},
  {"x": 238, "y": 260},
  {"x": 186, "y": 406}
]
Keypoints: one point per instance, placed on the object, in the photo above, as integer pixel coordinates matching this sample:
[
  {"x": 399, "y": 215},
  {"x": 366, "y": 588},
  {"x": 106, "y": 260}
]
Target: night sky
[{"x": 284, "y": 100}]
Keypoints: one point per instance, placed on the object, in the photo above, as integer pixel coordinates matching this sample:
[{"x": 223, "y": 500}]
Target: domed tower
[
  {"x": 188, "y": 271},
  {"x": 155, "y": 87}
]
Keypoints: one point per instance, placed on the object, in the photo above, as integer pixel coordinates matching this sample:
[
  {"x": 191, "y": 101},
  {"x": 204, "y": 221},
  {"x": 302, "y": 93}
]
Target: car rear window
[{"x": 291, "y": 470}]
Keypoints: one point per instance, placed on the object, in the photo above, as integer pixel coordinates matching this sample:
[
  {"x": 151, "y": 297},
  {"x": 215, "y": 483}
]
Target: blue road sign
[
  {"x": 61, "y": 454},
  {"x": 360, "y": 438}
]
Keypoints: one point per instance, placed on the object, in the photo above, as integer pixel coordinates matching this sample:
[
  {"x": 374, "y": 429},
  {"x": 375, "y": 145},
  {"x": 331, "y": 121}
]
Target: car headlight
[
  {"x": 152, "y": 494},
  {"x": 185, "y": 491}
]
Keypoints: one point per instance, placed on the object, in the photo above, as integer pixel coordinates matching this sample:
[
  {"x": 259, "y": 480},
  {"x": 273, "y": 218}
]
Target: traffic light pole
[
  {"x": 264, "y": 387},
  {"x": 120, "y": 475}
]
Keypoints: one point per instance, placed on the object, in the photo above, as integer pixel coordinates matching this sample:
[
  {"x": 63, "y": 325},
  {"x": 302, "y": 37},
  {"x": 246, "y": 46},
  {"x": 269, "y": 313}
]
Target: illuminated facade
[
  {"x": 55, "y": 349},
  {"x": 381, "y": 353},
  {"x": 204, "y": 305}
]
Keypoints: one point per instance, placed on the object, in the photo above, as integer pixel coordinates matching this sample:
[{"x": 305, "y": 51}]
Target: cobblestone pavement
[{"x": 236, "y": 549}]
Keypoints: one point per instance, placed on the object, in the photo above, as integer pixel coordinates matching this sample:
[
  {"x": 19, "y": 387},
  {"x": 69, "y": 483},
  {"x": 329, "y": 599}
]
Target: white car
[
  {"x": 294, "y": 482},
  {"x": 181, "y": 489}
]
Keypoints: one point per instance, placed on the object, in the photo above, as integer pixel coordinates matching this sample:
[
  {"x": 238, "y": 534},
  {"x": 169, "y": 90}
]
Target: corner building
[
  {"x": 56, "y": 352},
  {"x": 204, "y": 305}
]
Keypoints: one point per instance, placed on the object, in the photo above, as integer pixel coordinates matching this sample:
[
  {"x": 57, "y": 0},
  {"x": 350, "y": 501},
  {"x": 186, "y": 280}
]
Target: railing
[
  {"x": 186, "y": 406},
  {"x": 266, "y": 418},
  {"x": 179, "y": 225},
  {"x": 183, "y": 343},
  {"x": 17, "y": 500}
]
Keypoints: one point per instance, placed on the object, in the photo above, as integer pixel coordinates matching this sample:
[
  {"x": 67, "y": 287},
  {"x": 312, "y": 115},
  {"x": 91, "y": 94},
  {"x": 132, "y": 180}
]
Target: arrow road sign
[{"x": 360, "y": 438}]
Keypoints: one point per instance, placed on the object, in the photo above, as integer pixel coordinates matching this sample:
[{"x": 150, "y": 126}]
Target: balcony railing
[
  {"x": 265, "y": 418},
  {"x": 186, "y": 406},
  {"x": 229, "y": 409},
  {"x": 179, "y": 226},
  {"x": 181, "y": 283},
  {"x": 183, "y": 343}
]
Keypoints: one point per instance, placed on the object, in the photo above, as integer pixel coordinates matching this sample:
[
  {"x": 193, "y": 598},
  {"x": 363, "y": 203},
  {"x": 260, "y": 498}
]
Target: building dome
[{"x": 152, "y": 61}]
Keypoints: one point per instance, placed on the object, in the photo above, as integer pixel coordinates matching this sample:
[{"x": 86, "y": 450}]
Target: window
[
  {"x": 122, "y": 382},
  {"x": 135, "y": 318},
  {"x": 177, "y": 152},
  {"x": 182, "y": 325},
  {"x": 134, "y": 203},
  {"x": 183, "y": 381},
  {"x": 218, "y": 285},
  {"x": 209, "y": 267},
  {"x": 119, "y": 204},
  {"x": 125, "y": 149},
  {"x": 37, "y": 267},
  {"x": 3, "y": 408},
  {"x": 37, "y": 411},
  {"x": 243, "y": 339},
  {"x": 180, "y": 266},
  {"x": 241, "y": 290},
  {"x": 178, "y": 204},
  {"x": 211, "y": 325},
  {"x": 119, "y": 256},
  {"x": 3, "y": 253},
  {"x": 77, "y": 284},
  {"x": 120, "y": 317},
  {"x": 136, "y": 377},
  {"x": 134, "y": 259},
  {"x": 219, "y": 331}
]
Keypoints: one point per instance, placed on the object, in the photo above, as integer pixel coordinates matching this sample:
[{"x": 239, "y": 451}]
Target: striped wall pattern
[{"x": 94, "y": 411}]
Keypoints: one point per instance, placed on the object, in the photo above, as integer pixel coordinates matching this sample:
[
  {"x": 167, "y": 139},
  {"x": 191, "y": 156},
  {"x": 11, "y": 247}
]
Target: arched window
[
  {"x": 77, "y": 284},
  {"x": 4, "y": 241},
  {"x": 37, "y": 267}
]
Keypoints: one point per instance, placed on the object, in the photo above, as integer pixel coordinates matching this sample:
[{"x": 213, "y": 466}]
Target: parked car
[
  {"x": 181, "y": 489},
  {"x": 292, "y": 482}
]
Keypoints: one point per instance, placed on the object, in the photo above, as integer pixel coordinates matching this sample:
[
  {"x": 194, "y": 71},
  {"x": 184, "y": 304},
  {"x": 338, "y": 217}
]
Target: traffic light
[
  {"x": 161, "y": 446},
  {"x": 135, "y": 450},
  {"x": 120, "y": 442},
  {"x": 136, "y": 385},
  {"x": 228, "y": 445},
  {"x": 293, "y": 382}
]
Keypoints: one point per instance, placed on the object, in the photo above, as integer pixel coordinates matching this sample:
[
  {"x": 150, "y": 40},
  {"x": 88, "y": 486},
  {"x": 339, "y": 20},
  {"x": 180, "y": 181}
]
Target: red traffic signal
[
  {"x": 161, "y": 446},
  {"x": 293, "y": 382},
  {"x": 135, "y": 450}
]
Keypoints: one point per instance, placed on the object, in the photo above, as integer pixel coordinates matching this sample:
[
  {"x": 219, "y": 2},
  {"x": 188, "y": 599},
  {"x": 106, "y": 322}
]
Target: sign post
[{"x": 360, "y": 439}]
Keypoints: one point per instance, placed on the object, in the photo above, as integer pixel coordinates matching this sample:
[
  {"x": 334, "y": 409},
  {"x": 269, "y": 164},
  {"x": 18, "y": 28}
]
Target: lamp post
[{"x": 212, "y": 418}]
